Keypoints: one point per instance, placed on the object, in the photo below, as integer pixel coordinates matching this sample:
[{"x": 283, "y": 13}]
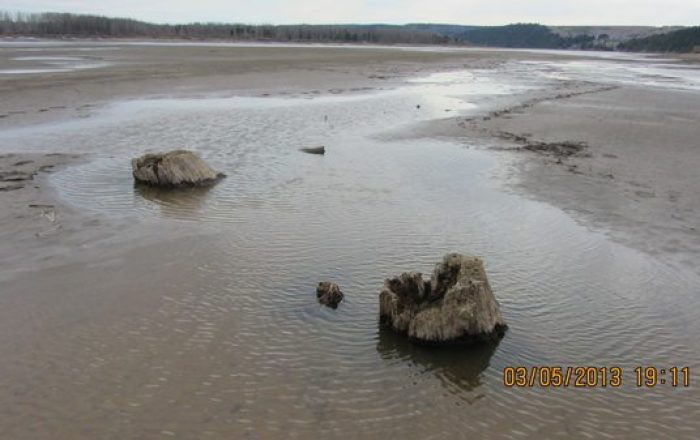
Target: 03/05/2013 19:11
[{"x": 592, "y": 377}]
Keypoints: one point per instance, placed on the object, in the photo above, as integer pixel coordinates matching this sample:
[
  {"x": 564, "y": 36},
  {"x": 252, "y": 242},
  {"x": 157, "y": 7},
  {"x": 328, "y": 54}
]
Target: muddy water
[{"x": 224, "y": 338}]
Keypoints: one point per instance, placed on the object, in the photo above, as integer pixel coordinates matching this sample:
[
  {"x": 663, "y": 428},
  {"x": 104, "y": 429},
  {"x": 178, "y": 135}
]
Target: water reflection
[
  {"x": 180, "y": 203},
  {"x": 458, "y": 368}
]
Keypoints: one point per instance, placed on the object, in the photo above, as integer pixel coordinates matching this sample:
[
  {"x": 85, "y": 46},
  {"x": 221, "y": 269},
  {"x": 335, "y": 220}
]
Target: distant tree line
[
  {"x": 523, "y": 35},
  {"x": 63, "y": 24},
  {"x": 684, "y": 40}
]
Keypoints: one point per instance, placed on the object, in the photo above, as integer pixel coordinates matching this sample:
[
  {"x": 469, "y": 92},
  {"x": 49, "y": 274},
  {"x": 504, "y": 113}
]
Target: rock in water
[
  {"x": 314, "y": 150},
  {"x": 329, "y": 294},
  {"x": 455, "y": 306},
  {"x": 173, "y": 169}
]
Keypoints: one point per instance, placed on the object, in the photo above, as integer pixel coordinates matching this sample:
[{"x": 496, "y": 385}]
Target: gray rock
[
  {"x": 455, "y": 306},
  {"x": 174, "y": 169},
  {"x": 329, "y": 294},
  {"x": 314, "y": 150}
]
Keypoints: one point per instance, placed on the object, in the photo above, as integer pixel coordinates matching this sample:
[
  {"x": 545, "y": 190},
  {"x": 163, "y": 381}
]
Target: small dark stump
[
  {"x": 314, "y": 150},
  {"x": 329, "y": 294}
]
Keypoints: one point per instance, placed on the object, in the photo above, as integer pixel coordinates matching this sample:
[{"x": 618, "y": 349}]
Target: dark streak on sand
[{"x": 14, "y": 174}]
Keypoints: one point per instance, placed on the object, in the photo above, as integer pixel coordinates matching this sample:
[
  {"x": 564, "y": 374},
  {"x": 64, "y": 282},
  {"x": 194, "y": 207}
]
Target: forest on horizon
[{"x": 520, "y": 35}]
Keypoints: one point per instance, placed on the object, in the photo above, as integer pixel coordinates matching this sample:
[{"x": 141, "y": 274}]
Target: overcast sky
[{"x": 553, "y": 12}]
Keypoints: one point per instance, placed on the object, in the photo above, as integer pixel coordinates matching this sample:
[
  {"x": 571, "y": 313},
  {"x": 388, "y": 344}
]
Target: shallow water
[{"x": 237, "y": 343}]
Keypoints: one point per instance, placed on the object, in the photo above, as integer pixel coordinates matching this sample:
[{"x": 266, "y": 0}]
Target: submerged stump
[
  {"x": 329, "y": 294},
  {"x": 455, "y": 306},
  {"x": 173, "y": 169}
]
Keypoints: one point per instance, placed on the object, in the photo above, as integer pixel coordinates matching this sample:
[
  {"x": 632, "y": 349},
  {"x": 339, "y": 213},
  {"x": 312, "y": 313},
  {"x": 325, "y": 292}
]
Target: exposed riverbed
[{"x": 193, "y": 314}]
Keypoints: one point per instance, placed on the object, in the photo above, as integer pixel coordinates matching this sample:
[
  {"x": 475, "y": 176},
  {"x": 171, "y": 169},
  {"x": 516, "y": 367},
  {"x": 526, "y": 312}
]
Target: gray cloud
[{"x": 574, "y": 12}]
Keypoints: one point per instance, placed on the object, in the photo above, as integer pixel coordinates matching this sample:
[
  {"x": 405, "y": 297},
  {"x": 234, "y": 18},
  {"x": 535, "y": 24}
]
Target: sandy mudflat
[
  {"x": 128, "y": 312},
  {"x": 137, "y": 71},
  {"x": 29, "y": 212},
  {"x": 163, "y": 70}
]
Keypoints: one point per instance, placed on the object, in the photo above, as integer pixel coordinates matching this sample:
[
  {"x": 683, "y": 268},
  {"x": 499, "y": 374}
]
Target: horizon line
[{"x": 184, "y": 23}]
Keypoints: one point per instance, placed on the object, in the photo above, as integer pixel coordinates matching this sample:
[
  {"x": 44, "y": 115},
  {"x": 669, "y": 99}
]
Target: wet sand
[
  {"x": 130, "y": 313},
  {"x": 631, "y": 168},
  {"x": 29, "y": 209}
]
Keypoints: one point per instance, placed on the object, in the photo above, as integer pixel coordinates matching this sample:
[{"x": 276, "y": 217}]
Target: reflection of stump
[
  {"x": 329, "y": 294},
  {"x": 455, "y": 306},
  {"x": 462, "y": 368},
  {"x": 174, "y": 169},
  {"x": 186, "y": 202}
]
